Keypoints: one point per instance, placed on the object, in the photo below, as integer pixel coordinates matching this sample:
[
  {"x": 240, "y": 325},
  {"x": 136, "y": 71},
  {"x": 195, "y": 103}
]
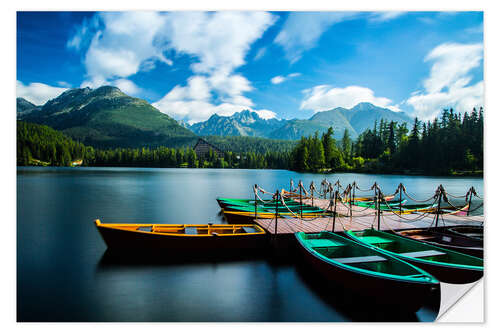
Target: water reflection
[{"x": 64, "y": 272}]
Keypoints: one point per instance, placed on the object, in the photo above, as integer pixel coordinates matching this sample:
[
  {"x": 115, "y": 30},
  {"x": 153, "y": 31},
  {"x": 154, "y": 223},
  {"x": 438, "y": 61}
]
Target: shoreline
[{"x": 453, "y": 174}]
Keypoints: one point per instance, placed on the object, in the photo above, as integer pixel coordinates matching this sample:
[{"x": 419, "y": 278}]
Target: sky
[{"x": 191, "y": 65}]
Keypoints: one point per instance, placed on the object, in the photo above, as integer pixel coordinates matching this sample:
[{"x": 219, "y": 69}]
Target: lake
[{"x": 65, "y": 274}]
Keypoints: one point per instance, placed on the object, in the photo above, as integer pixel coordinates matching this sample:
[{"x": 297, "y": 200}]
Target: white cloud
[
  {"x": 384, "y": 16},
  {"x": 219, "y": 40},
  {"x": 260, "y": 53},
  {"x": 126, "y": 41},
  {"x": 265, "y": 114},
  {"x": 193, "y": 101},
  {"x": 64, "y": 84},
  {"x": 130, "y": 42},
  {"x": 325, "y": 97},
  {"x": 448, "y": 84},
  {"x": 38, "y": 93},
  {"x": 280, "y": 79},
  {"x": 127, "y": 86},
  {"x": 83, "y": 34},
  {"x": 452, "y": 63},
  {"x": 302, "y": 30}
]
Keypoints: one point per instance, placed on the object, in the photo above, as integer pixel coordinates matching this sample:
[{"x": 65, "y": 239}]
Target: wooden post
[
  {"x": 255, "y": 202},
  {"x": 400, "y": 195},
  {"x": 439, "y": 204},
  {"x": 379, "y": 198},
  {"x": 353, "y": 191},
  {"x": 311, "y": 187},
  {"x": 470, "y": 198},
  {"x": 350, "y": 200},
  {"x": 334, "y": 210},
  {"x": 276, "y": 213},
  {"x": 300, "y": 197}
]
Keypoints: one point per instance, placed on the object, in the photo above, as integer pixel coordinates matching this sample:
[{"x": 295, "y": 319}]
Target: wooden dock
[{"x": 362, "y": 218}]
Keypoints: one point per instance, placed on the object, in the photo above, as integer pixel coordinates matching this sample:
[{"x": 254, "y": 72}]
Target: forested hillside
[
  {"x": 42, "y": 145},
  {"x": 451, "y": 144}
]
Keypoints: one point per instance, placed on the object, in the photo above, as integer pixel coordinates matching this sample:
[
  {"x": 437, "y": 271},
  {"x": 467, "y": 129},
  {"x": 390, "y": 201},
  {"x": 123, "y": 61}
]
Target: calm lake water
[{"x": 65, "y": 274}]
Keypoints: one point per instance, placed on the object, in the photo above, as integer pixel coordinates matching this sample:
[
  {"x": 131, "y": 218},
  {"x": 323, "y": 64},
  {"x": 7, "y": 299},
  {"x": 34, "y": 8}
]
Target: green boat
[
  {"x": 250, "y": 208},
  {"x": 446, "y": 265},
  {"x": 365, "y": 270},
  {"x": 383, "y": 205},
  {"x": 223, "y": 202}
]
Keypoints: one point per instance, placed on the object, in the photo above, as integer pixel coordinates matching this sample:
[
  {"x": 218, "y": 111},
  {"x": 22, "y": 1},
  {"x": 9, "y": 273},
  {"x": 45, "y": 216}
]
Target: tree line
[
  {"x": 452, "y": 143},
  {"x": 42, "y": 145}
]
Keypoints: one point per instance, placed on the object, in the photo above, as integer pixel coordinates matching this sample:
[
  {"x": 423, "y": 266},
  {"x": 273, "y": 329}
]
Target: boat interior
[
  {"x": 414, "y": 248},
  {"x": 441, "y": 238},
  {"x": 342, "y": 251},
  {"x": 192, "y": 229}
]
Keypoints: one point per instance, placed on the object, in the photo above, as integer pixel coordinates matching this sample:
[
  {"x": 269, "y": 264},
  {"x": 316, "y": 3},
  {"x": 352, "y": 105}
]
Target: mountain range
[
  {"x": 247, "y": 123},
  {"x": 106, "y": 118},
  {"x": 244, "y": 123},
  {"x": 25, "y": 107}
]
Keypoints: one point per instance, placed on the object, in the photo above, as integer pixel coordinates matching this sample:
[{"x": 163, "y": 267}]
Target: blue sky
[{"x": 191, "y": 65}]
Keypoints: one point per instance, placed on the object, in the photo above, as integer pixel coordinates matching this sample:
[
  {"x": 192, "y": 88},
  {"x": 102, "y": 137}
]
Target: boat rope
[
  {"x": 318, "y": 215},
  {"x": 457, "y": 196},
  {"x": 362, "y": 190},
  {"x": 420, "y": 216},
  {"x": 355, "y": 210},
  {"x": 337, "y": 183},
  {"x": 256, "y": 190},
  {"x": 416, "y": 200}
]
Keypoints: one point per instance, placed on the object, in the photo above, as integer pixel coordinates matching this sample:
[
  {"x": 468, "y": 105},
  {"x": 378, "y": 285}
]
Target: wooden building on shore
[{"x": 202, "y": 148}]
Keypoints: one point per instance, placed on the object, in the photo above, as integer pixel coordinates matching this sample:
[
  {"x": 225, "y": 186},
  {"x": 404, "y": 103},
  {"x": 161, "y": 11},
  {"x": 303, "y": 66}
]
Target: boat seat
[
  {"x": 191, "y": 231},
  {"x": 249, "y": 230},
  {"x": 376, "y": 240},
  {"x": 420, "y": 254},
  {"x": 149, "y": 229},
  {"x": 323, "y": 242},
  {"x": 359, "y": 260}
]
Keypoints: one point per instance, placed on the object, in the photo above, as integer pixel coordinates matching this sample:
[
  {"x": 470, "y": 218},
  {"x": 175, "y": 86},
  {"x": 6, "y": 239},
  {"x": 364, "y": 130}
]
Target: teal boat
[
  {"x": 446, "y": 265},
  {"x": 223, "y": 202},
  {"x": 383, "y": 205},
  {"x": 246, "y": 214},
  {"x": 366, "y": 270}
]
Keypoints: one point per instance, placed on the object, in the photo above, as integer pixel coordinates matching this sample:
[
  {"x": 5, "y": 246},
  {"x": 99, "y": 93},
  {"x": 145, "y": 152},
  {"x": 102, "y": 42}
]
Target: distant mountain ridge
[
  {"x": 24, "y": 107},
  {"x": 244, "y": 123},
  {"x": 247, "y": 123},
  {"x": 106, "y": 117}
]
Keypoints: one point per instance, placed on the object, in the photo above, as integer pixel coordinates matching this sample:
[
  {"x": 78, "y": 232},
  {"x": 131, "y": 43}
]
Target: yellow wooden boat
[{"x": 185, "y": 237}]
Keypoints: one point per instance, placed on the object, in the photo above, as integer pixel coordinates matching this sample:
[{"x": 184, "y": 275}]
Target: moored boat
[
  {"x": 183, "y": 237},
  {"x": 470, "y": 246},
  {"x": 471, "y": 231},
  {"x": 366, "y": 271},
  {"x": 446, "y": 265},
  {"x": 224, "y": 202},
  {"x": 238, "y": 216},
  {"x": 388, "y": 205},
  {"x": 367, "y": 199}
]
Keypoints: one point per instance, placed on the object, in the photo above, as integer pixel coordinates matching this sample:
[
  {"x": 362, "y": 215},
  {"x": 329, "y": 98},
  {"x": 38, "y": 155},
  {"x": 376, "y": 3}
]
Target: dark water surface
[{"x": 64, "y": 272}]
